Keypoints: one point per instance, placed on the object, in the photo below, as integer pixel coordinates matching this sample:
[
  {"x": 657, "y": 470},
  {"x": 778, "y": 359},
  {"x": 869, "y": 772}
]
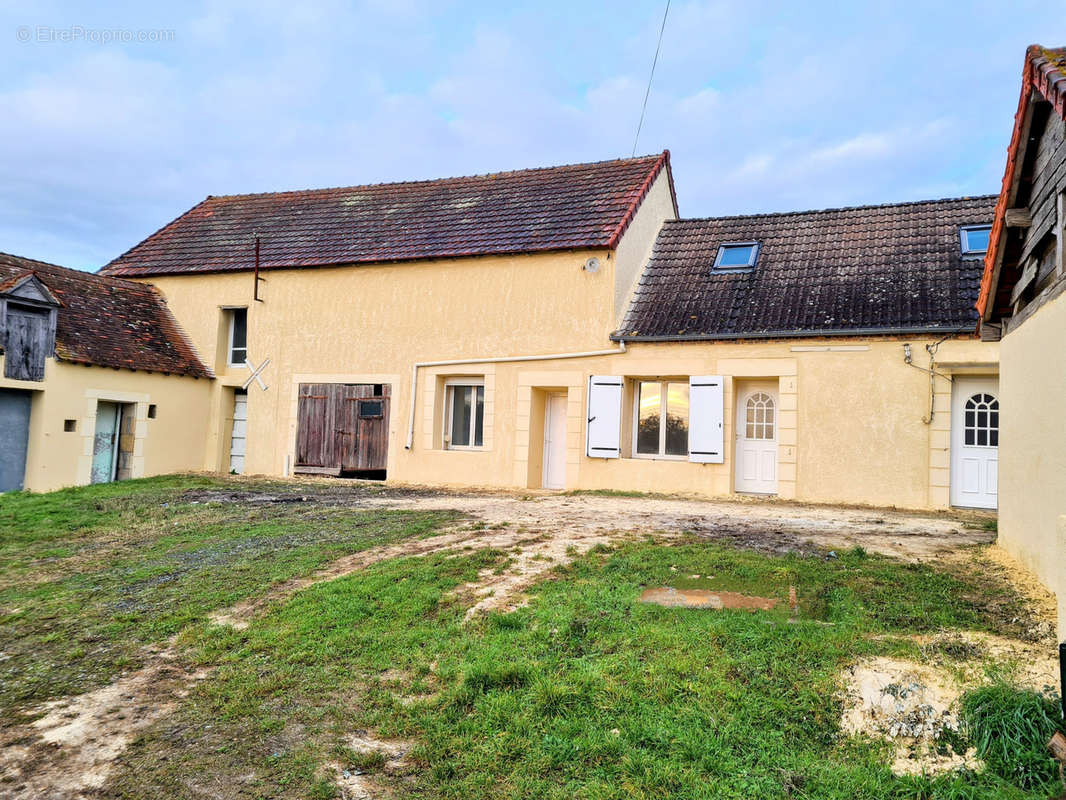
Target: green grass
[
  {"x": 91, "y": 575},
  {"x": 1010, "y": 730},
  {"x": 586, "y": 693}
]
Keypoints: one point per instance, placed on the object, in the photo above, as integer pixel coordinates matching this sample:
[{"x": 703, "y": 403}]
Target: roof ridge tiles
[
  {"x": 426, "y": 181},
  {"x": 868, "y": 207}
]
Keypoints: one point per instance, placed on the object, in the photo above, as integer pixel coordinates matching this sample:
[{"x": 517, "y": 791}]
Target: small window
[
  {"x": 981, "y": 426},
  {"x": 238, "y": 336},
  {"x": 371, "y": 409},
  {"x": 662, "y": 419},
  {"x": 151, "y": 411},
  {"x": 70, "y": 425},
  {"x": 736, "y": 255},
  {"x": 975, "y": 239},
  {"x": 759, "y": 419},
  {"x": 464, "y": 425}
]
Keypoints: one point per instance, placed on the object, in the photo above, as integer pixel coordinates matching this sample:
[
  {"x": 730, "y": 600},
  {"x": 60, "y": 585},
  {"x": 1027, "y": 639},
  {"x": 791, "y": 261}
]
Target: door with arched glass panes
[
  {"x": 974, "y": 442},
  {"x": 756, "y": 438}
]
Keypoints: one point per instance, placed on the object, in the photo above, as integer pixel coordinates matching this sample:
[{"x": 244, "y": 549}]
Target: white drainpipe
[{"x": 499, "y": 360}]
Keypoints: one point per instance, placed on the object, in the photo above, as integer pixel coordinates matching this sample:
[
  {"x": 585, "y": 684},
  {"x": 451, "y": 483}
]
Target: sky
[{"x": 116, "y": 119}]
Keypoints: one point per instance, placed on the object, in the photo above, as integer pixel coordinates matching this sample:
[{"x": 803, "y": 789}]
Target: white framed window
[
  {"x": 464, "y": 414},
  {"x": 981, "y": 427},
  {"x": 736, "y": 255},
  {"x": 974, "y": 239},
  {"x": 237, "y": 344},
  {"x": 759, "y": 422},
  {"x": 661, "y": 419}
]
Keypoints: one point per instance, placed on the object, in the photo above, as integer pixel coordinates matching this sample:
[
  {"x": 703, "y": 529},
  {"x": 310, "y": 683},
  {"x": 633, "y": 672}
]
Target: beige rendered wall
[
  {"x": 371, "y": 323},
  {"x": 1032, "y": 455},
  {"x": 852, "y": 416},
  {"x": 852, "y": 413},
  {"x": 635, "y": 248},
  {"x": 172, "y": 442}
]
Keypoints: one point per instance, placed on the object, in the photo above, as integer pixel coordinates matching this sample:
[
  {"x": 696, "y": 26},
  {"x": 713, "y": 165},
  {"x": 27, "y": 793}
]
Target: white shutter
[
  {"x": 603, "y": 430},
  {"x": 706, "y": 439}
]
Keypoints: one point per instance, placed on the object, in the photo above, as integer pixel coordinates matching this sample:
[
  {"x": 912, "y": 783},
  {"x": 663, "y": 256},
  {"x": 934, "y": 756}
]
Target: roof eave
[
  {"x": 795, "y": 334},
  {"x": 1040, "y": 74}
]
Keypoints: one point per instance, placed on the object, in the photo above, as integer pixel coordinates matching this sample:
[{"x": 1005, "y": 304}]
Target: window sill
[{"x": 646, "y": 457}]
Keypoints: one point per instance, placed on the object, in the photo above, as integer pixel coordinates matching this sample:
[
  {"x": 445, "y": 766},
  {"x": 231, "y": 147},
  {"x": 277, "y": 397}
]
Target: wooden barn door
[
  {"x": 316, "y": 428},
  {"x": 342, "y": 427}
]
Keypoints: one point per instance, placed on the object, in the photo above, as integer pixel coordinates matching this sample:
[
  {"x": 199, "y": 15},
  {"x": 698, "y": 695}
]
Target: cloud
[{"x": 764, "y": 105}]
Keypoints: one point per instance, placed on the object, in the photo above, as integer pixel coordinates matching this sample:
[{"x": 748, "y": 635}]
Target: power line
[{"x": 647, "y": 92}]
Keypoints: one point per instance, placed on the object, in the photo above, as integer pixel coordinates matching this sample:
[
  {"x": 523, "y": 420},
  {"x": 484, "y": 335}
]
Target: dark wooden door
[
  {"x": 343, "y": 426},
  {"x": 27, "y": 341},
  {"x": 315, "y": 426}
]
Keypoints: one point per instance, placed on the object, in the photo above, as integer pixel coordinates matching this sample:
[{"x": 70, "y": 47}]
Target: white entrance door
[
  {"x": 554, "y": 442},
  {"x": 240, "y": 432},
  {"x": 756, "y": 435},
  {"x": 974, "y": 442}
]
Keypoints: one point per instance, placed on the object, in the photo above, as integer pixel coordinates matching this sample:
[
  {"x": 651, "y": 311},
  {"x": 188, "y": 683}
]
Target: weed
[{"x": 1010, "y": 729}]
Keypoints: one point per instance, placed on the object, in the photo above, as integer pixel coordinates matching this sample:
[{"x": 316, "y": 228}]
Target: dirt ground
[
  {"x": 69, "y": 750},
  {"x": 772, "y": 527}
]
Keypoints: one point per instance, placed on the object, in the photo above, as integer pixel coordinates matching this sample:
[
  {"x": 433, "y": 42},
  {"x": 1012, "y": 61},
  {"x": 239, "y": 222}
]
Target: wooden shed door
[{"x": 342, "y": 427}]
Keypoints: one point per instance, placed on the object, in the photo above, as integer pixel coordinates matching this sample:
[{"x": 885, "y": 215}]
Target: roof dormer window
[
  {"x": 736, "y": 256},
  {"x": 974, "y": 239}
]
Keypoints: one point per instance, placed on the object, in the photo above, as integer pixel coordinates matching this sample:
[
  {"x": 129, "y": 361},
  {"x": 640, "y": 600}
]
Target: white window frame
[
  {"x": 729, "y": 267},
  {"x": 449, "y": 390},
  {"x": 964, "y": 239},
  {"x": 230, "y": 312},
  {"x": 661, "y": 455}
]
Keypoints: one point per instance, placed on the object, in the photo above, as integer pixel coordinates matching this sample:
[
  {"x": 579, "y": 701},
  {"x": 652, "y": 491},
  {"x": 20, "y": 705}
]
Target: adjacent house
[
  {"x": 1023, "y": 298},
  {"x": 98, "y": 381},
  {"x": 562, "y": 328}
]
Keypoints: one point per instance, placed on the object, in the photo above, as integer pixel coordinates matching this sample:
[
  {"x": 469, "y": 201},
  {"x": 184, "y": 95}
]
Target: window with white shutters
[
  {"x": 603, "y": 428},
  {"x": 706, "y": 438}
]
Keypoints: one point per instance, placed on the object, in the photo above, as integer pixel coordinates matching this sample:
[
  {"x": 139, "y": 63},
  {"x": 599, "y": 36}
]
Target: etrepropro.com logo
[{"x": 70, "y": 34}]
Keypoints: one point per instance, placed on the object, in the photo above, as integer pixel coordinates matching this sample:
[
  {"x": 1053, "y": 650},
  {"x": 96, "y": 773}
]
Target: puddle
[{"x": 704, "y": 598}]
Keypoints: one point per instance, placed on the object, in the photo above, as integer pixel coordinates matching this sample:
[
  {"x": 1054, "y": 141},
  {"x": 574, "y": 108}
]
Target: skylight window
[
  {"x": 736, "y": 255},
  {"x": 975, "y": 239}
]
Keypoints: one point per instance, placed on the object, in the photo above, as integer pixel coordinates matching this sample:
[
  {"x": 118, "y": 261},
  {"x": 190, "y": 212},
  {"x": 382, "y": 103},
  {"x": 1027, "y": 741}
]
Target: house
[
  {"x": 98, "y": 381},
  {"x": 562, "y": 328},
  {"x": 1023, "y": 299}
]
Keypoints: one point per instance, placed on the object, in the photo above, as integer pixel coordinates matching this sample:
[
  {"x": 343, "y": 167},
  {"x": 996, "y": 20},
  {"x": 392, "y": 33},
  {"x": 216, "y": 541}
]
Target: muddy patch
[
  {"x": 503, "y": 591},
  {"x": 702, "y": 598},
  {"x": 770, "y": 528},
  {"x": 71, "y": 748},
  {"x": 371, "y": 757},
  {"x": 532, "y": 554},
  {"x": 912, "y": 706},
  {"x": 915, "y": 705}
]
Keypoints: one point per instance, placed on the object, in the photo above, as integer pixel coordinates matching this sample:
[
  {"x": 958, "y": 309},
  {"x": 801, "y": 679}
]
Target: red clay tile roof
[
  {"x": 532, "y": 210},
  {"x": 878, "y": 269},
  {"x": 1045, "y": 71},
  {"x": 109, "y": 322}
]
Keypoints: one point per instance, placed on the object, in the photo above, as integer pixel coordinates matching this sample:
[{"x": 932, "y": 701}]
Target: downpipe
[{"x": 495, "y": 360}]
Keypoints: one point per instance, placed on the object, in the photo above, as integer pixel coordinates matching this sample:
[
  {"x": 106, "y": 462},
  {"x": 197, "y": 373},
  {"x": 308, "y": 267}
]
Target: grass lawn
[{"x": 585, "y": 693}]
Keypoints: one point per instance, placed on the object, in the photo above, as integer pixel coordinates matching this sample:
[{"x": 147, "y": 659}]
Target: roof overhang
[{"x": 1039, "y": 75}]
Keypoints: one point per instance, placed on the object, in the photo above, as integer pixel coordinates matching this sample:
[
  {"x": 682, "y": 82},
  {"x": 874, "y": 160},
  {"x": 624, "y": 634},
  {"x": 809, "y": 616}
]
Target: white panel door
[
  {"x": 974, "y": 442},
  {"x": 555, "y": 442},
  {"x": 756, "y": 439},
  {"x": 239, "y": 433}
]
